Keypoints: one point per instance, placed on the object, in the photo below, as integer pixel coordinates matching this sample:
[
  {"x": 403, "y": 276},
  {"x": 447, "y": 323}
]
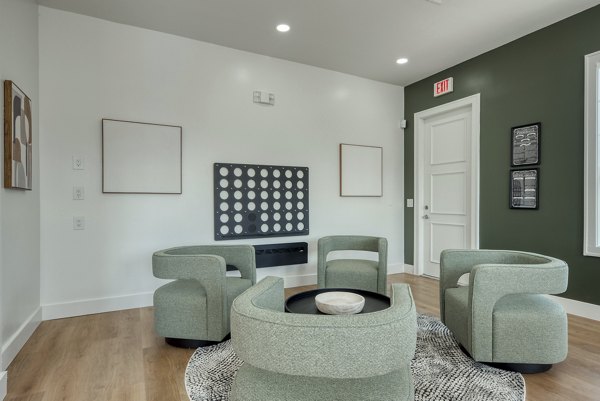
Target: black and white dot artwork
[{"x": 254, "y": 201}]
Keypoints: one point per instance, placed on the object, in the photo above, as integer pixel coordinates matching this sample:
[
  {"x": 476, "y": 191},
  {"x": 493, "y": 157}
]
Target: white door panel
[
  {"x": 445, "y": 236},
  {"x": 448, "y": 193},
  {"x": 446, "y": 175},
  {"x": 448, "y": 140}
]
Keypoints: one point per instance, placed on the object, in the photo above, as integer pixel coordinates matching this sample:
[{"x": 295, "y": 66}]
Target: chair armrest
[
  {"x": 456, "y": 262},
  {"x": 453, "y": 264},
  {"x": 382, "y": 246},
  {"x": 350, "y": 346},
  {"x": 188, "y": 267},
  {"x": 488, "y": 283},
  {"x": 323, "y": 248},
  {"x": 243, "y": 257}
]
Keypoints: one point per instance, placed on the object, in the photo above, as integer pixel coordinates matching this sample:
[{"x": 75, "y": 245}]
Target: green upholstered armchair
[
  {"x": 501, "y": 317},
  {"x": 193, "y": 310},
  {"x": 352, "y": 273},
  {"x": 296, "y": 357}
]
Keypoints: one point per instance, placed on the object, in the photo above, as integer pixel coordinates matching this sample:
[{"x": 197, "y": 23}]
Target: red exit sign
[{"x": 443, "y": 87}]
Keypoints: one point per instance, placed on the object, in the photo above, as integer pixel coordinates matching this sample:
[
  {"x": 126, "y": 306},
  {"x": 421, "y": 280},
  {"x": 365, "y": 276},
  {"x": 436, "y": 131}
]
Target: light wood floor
[{"x": 116, "y": 356}]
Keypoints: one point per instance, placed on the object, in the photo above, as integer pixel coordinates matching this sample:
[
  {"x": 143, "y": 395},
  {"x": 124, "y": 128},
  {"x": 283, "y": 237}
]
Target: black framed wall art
[
  {"x": 257, "y": 201},
  {"x": 18, "y": 138},
  {"x": 524, "y": 188},
  {"x": 525, "y": 145}
]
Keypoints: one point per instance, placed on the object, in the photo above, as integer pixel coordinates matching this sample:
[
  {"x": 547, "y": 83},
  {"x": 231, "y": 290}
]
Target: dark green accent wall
[{"x": 539, "y": 77}]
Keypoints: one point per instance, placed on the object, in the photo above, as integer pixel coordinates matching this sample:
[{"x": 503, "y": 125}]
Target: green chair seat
[
  {"x": 504, "y": 316},
  {"x": 361, "y": 274},
  {"x": 195, "y": 307},
  {"x": 298, "y": 357},
  {"x": 352, "y": 273}
]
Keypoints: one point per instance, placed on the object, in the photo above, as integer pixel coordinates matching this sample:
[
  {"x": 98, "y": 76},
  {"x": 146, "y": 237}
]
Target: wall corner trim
[
  {"x": 3, "y": 386},
  {"x": 578, "y": 308},
  {"x": 13, "y": 345}
]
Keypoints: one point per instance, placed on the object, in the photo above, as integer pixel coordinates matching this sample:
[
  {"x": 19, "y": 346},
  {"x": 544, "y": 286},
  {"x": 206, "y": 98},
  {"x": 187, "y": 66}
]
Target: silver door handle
[{"x": 426, "y": 217}]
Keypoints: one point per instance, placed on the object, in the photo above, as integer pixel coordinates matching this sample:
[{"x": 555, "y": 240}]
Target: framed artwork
[
  {"x": 524, "y": 189},
  {"x": 256, "y": 201},
  {"x": 18, "y": 132},
  {"x": 525, "y": 144},
  {"x": 361, "y": 170},
  {"x": 141, "y": 158}
]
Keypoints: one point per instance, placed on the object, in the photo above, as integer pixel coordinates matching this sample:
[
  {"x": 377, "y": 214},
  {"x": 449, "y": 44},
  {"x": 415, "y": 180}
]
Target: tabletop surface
[{"x": 304, "y": 302}]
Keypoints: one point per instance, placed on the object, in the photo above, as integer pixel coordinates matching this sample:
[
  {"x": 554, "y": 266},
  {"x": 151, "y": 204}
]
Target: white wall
[
  {"x": 90, "y": 69},
  {"x": 20, "y": 210}
]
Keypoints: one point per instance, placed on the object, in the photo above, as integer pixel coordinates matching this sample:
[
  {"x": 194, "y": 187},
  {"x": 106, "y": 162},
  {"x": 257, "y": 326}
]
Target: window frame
[{"x": 591, "y": 210}]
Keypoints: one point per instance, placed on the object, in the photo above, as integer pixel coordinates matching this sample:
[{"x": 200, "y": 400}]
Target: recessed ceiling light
[
  {"x": 402, "y": 60},
  {"x": 283, "y": 27}
]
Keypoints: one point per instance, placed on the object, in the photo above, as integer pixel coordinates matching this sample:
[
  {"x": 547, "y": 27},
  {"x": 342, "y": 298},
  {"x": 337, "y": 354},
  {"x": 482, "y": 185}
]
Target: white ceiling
[{"x": 359, "y": 37}]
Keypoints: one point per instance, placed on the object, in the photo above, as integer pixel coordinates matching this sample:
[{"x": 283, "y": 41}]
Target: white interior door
[{"x": 448, "y": 175}]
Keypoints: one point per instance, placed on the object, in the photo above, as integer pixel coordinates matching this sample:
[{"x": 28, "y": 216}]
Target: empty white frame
[
  {"x": 140, "y": 157},
  {"x": 361, "y": 170}
]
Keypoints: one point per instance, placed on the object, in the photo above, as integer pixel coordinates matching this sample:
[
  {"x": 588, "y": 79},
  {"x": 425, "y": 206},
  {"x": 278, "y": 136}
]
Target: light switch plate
[
  {"x": 78, "y": 192},
  {"x": 410, "y": 203},
  {"x": 78, "y": 163},
  {"x": 78, "y": 223}
]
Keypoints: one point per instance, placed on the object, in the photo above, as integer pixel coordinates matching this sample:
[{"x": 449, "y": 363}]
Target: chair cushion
[
  {"x": 180, "y": 307},
  {"x": 457, "y": 313},
  {"x": 352, "y": 273},
  {"x": 180, "y": 310},
  {"x": 529, "y": 328}
]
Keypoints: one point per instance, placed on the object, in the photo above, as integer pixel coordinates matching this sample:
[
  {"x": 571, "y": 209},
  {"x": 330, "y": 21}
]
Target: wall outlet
[
  {"x": 78, "y": 163},
  {"x": 78, "y": 223},
  {"x": 78, "y": 192},
  {"x": 410, "y": 203}
]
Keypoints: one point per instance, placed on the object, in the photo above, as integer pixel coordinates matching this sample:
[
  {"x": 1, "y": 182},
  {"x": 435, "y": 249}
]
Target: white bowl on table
[{"x": 340, "y": 303}]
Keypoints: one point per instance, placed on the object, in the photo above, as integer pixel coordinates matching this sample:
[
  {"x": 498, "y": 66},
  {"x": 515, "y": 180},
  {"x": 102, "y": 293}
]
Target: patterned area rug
[{"x": 441, "y": 371}]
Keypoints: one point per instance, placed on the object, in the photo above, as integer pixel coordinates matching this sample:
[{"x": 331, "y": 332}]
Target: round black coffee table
[{"x": 304, "y": 302}]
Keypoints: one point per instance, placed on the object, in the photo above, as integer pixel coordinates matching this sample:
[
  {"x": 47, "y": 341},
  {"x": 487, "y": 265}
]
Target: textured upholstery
[
  {"x": 316, "y": 357},
  {"x": 196, "y": 305},
  {"x": 501, "y": 316},
  {"x": 352, "y": 273}
]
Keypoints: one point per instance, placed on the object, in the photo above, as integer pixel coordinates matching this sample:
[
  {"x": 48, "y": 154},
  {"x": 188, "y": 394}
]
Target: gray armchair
[
  {"x": 352, "y": 273},
  {"x": 501, "y": 317},
  {"x": 193, "y": 310},
  {"x": 297, "y": 357}
]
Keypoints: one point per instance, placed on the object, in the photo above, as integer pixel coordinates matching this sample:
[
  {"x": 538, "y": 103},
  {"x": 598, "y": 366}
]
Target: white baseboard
[
  {"x": 3, "y": 380},
  {"x": 299, "y": 281},
  {"x": 395, "y": 268},
  {"x": 13, "y": 345},
  {"x": 578, "y": 308},
  {"x": 96, "y": 305}
]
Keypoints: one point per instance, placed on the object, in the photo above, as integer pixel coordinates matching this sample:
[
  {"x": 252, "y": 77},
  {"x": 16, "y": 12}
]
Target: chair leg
[
  {"x": 185, "y": 343},
  {"x": 525, "y": 368}
]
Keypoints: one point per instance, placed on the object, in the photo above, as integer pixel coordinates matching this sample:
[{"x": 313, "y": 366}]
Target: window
[{"x": 591, "y": 213}]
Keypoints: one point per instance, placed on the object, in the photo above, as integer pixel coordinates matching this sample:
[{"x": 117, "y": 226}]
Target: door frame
[{"x": 419, "y": 167}]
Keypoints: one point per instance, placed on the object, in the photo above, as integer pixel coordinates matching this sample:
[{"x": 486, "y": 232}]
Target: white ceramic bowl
[{"x": 340, "y": 303}]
